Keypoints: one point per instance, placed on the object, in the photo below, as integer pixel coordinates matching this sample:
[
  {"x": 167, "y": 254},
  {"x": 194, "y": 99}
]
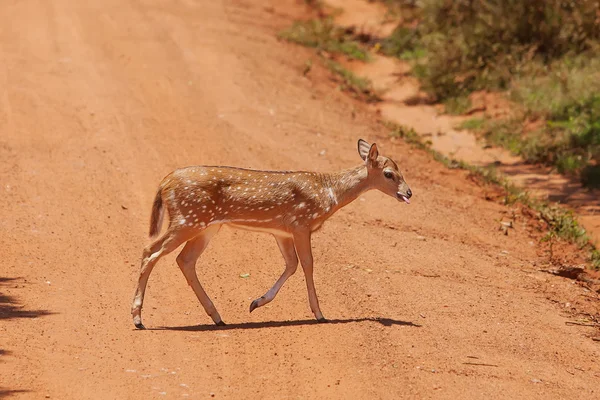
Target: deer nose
[{"x": 409, "y": 193}]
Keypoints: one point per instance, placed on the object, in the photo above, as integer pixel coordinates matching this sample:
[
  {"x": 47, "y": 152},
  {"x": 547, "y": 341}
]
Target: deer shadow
[
  {"x": 10, "y": 309},
  {"x": 4, "y": 393},
  {"x": 278, "y": 324}
]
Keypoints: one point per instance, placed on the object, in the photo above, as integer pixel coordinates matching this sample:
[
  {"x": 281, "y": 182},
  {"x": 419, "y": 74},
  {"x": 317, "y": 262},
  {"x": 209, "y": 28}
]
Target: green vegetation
[
  {"x": 457, "y": 105},
  {"x": 567, "y": 135},
  {"x": 471, "y": 45},
  {"x": 403, "y": 43},
  {"x": 561, "y": 223},
  {"x": 473, "y": 124},
  {"x": 352, "y": 83},
  {"x": 544, "y": 53},
  {"x": 567, "y": 98},
  {"x": 323, "y": 35}
]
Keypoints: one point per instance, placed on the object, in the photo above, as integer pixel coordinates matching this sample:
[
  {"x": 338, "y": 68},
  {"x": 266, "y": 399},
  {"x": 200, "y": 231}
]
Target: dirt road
[{"x": 100, "y": 99}]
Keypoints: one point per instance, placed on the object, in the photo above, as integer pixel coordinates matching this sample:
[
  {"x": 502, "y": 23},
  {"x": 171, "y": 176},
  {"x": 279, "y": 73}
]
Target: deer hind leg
[
  {"x": 286, "y": 246},
  {"x": 167, "y": 243},
  {"x": 303, "y": 248},
  {"x": 187, "y": 263}
]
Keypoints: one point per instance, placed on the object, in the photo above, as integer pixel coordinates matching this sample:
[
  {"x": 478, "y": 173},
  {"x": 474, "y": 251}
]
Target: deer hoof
[
  {"x": 322, "y": 320},
  {"x": 254, "y": 305},
  {"x": 139, "y": 325},
  {"x": 221, "y": 323}
]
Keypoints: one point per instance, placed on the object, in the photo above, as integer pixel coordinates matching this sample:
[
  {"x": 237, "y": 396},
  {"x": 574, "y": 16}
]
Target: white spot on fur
[{"x": 332, "y": 196}]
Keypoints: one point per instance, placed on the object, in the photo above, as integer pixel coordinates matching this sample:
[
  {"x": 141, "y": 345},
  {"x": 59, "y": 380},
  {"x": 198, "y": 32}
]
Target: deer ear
[
  {"x": 373, "y": 154},
  {"x": 363, "y": 149}
]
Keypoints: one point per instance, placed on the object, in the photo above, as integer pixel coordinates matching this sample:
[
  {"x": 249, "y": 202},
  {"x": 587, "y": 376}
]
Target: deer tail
[{"x": 156, "y": 218}]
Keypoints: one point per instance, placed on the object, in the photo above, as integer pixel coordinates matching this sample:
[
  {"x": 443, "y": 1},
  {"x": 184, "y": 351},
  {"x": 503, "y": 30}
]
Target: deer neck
[{"x": 345, "y": 186}]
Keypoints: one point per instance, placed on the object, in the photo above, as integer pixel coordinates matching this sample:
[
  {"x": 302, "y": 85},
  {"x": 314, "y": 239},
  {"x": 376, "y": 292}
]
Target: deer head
[{"x": 383, "y": 172}]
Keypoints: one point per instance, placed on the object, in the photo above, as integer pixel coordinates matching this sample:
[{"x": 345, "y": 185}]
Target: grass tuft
[
  {"x": 473, "y": 124},
  {"x": 323, "y": 35},
  {"x": 457, "y": 105},
  {"x": 352, "y": 83}
]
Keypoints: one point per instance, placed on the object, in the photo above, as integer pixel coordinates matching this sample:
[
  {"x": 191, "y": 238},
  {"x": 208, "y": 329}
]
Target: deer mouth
[{"x": 403, "y": 197}]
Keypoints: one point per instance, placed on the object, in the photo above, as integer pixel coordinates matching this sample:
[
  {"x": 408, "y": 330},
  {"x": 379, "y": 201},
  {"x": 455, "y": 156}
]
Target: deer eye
[{"x": 388, "y": 174}]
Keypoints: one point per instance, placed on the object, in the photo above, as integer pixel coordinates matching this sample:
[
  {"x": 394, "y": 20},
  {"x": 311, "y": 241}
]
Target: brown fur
[{"x": 156, "y": 217}]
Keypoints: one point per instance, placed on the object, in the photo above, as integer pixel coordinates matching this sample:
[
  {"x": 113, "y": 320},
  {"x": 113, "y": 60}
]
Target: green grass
[
  {"x": 350, "y": 82},
  {"x": 401, "y": 42},
  {"x": 566, "y": 99},
  {"x": 457, "y": 105},
  {"x": 323, "y": 35},
  {"x": 567, "y": 96},
  {"x": 404, "y": 10},
  {"x": 468, "y": 45},
  {"x": 561, "y": 223},
  {"x": 473, "y": 124},
  {"x": 554, "y": 88}
]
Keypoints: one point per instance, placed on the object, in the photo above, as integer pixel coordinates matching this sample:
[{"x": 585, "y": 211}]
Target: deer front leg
[
  {"x": 303, "y": 248},
  {"x": 286, "y": 246}
]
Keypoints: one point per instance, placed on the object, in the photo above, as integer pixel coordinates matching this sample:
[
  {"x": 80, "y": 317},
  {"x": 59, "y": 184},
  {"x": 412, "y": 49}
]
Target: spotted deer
[{"x": 288, "y": 205}]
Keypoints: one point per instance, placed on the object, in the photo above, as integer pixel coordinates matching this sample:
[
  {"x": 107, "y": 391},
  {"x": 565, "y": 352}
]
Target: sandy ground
[{"x": 100, "y": 99}]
